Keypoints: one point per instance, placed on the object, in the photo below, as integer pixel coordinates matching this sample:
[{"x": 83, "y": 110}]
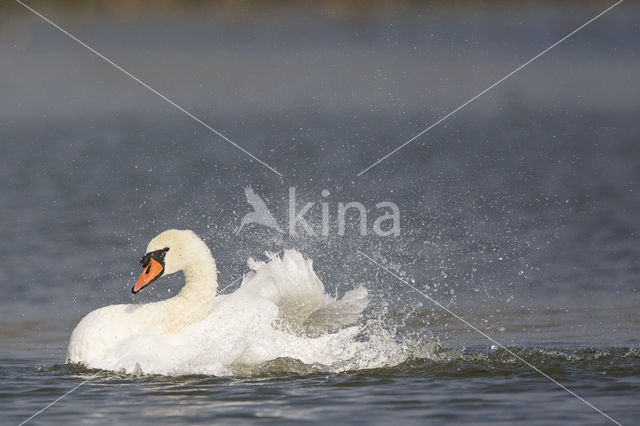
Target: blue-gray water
[{"x": 520, "y": 213}]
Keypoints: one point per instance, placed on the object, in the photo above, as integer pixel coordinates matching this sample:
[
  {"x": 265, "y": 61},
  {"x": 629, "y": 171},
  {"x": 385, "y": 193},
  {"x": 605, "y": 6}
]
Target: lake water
[{"x": 520, "y": 213}]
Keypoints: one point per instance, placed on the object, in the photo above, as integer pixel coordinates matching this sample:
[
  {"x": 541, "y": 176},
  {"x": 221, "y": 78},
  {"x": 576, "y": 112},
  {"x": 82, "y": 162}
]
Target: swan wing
[
  {"x": 335, "y": 314},
  {"x": 292, "y": 285}
]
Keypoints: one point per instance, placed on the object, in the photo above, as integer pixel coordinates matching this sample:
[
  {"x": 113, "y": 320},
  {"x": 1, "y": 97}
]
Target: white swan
[{"x": 284, "y": 291}]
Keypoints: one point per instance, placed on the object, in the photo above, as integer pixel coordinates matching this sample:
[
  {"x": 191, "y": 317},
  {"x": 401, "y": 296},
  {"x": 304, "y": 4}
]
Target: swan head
[{"x": 167, "y": 253}]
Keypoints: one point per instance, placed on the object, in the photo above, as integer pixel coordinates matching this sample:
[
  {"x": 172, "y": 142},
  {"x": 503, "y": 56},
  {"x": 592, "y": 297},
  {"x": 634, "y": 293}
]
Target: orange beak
[{"x": 151, "y": 272}]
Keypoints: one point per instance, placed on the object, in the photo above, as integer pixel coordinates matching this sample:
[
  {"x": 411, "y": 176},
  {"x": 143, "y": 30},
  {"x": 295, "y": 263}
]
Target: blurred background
[{"x": 521, "y": 211}]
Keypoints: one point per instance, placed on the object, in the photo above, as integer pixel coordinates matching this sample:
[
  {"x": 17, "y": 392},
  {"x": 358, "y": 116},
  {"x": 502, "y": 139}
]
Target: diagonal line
[
  {"x": 228, "y": 286},
  {"x": 73, "y": 389},
  {"x": 474, "y": 328},
  {"x": 489, "y": 88},
  {"x": 52, "y": 403},
  {"x": 148, "y": 87}
]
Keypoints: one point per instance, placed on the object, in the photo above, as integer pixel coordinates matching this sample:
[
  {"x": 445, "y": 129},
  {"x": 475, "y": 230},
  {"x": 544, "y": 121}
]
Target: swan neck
[
  {"x": 194, "y": 302},
  {"x": 201, "y": 277}
]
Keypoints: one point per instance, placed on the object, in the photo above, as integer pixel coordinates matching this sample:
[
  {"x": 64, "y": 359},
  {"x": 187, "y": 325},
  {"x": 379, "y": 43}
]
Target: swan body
[{"x": 281, "y": 300}]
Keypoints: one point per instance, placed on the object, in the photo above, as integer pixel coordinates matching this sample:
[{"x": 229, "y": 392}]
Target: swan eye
[{"x": 166, "y": 249}]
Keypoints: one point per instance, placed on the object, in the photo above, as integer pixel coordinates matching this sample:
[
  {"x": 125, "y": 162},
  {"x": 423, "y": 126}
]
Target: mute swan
[{"x": 288, "y": 286}]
